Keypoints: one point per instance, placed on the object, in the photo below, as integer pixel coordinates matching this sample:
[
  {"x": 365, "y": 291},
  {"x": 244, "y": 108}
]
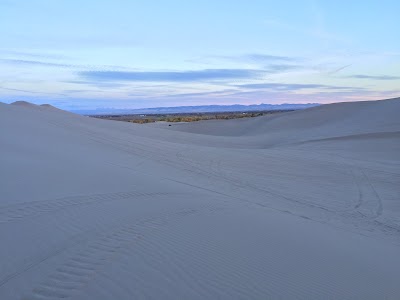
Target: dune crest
[
  {"x": 23, "y": 103},
  {"x": 325, "y": 120}
]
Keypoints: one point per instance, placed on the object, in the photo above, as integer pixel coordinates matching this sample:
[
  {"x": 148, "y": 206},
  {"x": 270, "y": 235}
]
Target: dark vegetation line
[{"x": 187, "y": 117}]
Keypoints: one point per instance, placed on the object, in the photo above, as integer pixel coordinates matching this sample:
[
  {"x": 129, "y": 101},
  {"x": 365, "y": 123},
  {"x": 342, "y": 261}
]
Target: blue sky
[{"x": 134, "y": 54}]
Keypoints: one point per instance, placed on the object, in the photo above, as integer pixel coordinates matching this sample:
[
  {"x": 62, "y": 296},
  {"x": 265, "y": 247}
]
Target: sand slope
[{"x": 303, "y": 205}]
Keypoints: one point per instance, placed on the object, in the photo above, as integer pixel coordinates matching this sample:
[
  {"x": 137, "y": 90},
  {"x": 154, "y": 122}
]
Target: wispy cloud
[
  {"x": 31, "y": 54},
  {"x": 204, "y": 94},
  {"x": 293, "y": 86},
  {"x": 339, "y": 69},
  {"x": 267, "y": 58},
  {"x": 172, "y": 76},
  {"x": 278, "y": 68},
  {"x": 30, "y": 91},
  {"x": 375, "y": 77},
  {"x": 42, "y": 63},
  {"x": 32, "y": 63},
  {"x": 99, "y": 84},
  {"x": 249, "y": 58}
]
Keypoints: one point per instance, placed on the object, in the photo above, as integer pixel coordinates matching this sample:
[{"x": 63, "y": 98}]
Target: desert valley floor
[{"x": 300, "y": 205}]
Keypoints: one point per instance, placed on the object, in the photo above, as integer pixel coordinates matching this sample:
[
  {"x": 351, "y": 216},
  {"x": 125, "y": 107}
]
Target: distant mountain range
[{"x": 195, "y": 109}]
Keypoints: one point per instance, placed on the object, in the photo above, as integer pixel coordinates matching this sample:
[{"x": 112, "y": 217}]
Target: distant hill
[{"x": 195, "y": 109}]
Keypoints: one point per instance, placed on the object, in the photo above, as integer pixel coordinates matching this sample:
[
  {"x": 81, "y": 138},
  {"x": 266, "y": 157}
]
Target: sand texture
[{"x": 300, "y": 205}]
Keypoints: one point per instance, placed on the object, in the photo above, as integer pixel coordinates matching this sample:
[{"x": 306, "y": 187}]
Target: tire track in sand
[
  {"x": 17, "y": 212},
  {"x": 369, "y": 203}
]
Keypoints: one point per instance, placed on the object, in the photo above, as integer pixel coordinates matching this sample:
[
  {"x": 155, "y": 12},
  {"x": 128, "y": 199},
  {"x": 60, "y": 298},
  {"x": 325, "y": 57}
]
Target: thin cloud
[
  {"x": 339, "y": 69},
  {"x": 26, "y": 54},
  {"x": 172, "y": 76},
  {"x": 40, "y": 63},
  {"x": 267, "y": 58},
  {"x": 99, "y": 84},
  {"x": 32, "y": 63},
  {"x": 382, "y": 77},
  {"x": 203, "y": 94},
  {"x": 293, "y": 86},
  {"x": 31, "y": 92},
  {"x": 255, "y": 58},
  {"x": 278, "y": 68}
]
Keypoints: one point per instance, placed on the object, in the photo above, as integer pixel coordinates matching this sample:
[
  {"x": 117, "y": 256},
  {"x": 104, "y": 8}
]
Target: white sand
[{"x": 303, "y": 205}]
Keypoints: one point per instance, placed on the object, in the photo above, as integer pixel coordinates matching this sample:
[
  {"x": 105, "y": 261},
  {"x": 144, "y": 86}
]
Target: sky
[{"x": 137, "y": 54}]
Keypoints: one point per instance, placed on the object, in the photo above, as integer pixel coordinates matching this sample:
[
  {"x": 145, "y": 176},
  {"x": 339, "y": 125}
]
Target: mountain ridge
[{"x": 195, "y": 109}]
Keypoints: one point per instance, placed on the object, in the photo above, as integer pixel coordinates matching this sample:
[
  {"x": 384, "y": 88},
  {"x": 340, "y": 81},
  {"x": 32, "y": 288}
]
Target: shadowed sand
[{"x": 300, "y": 205}]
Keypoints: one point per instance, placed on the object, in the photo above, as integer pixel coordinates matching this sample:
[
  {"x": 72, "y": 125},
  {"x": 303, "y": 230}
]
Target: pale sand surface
[{"x": 301, "y": 205}]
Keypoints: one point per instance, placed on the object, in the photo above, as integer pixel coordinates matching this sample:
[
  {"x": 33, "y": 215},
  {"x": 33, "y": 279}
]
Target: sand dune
[
  {"x": 324, "y": 121},
  {"x": 301, "y": 205}
]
